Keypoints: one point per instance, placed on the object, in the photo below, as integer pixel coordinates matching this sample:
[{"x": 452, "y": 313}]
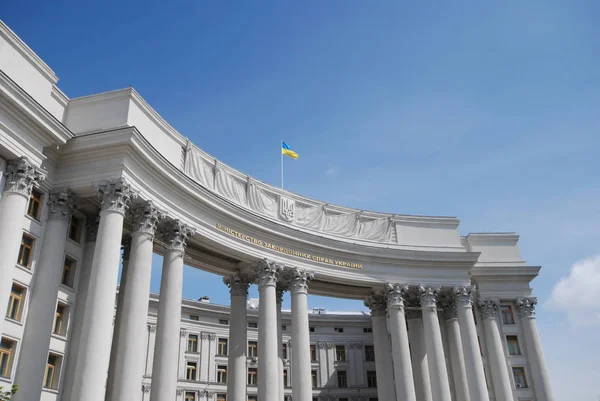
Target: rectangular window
[
  {"x": 15, "y": 303},
  {"x": 252, "y": 349},
  {"x": 311, "y": 329},
  {"x": 192, "y": 343},
  {"x": 35, "y": 203},
  {"x": 285, "y": 378},
  {"x": 194, "y": 317},
  {"x": 367, "y": 330},
  {"x": 59, "y": 320},
  {"x": 519, "y": 376},
  {"x": 507, "y": 314},
  {"x": 51, "y": 374},
  {"x": 221, "y": 397},
  {"x": 369, "y": 353},
  {"x": 190, "y": 371},
  {"x": 513, "y": 345},
  {"x": 74, "y": 225},
  {"x": 313, "y": 353},
  {"x": 313, "y": 378},
  {"x": 252, "y": 376},
  {"x": 190, "y": 396},
  {"x": 26, "y": 251},
  {"x": 222, "y": 374},
  {"x": 371, "y": 378},
  {"x": 222, "y": 350},
  {"x": 342, "y": 379},
  {"x": 253, "y": 325},
  {"x": 338, "y": 329},
  {"x": 283, "y": 327},
  {"x": 7, "y": 348},
  {"x": 284, "y": 353},
  {"x": 224, "y": 321},
  {"x": 68, "y": 274},
  {"x": 340, "y": 353}
]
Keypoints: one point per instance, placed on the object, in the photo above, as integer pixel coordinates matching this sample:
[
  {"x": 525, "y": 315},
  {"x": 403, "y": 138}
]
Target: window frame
[
  {"x": 188, "y": 394},
  {"x": 52, "y": 366},
  {"x": 285, "y": 378},
  {"x": 519, "y": 374},
  {"x": 284, "y": 351},
  {"x": 192, "y": 339},
  {"x": 35, "y": 201},
  {"x": 369, "y": 353},
  {"x": 222, "y": 374},
  {"x": 76, "y": 236},
  {"x": 223, "y": 346},
  {"x": 252, "y": 345},
  {"x": 505, "y": 313},
  {"x": 29, "y": 247},
  {"x": 339, "y": 348},
  {"x": 313, "y": 351},
  {"x": 16, "y": 298},
  {"x": 371, "y": 375},
  {"x": 7, "y": 352},
  {"x": 191, "y": 369},
  {"x": 342, "y": 383},
  {"x": 252, "y": 377},
  {"x": 63, "y": 316},
  {"x": 70, "y": 265},
  {"x": 512, "y": 344},
  {"x": 314, "y": 378}
]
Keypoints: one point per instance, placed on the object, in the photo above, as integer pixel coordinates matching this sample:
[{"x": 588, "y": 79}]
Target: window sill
[
  {"x": 24, "y": 268},
  {"x": 68, "y": 288},
  {"x": 33, "y": 219},
  {"x": 50, "y": 390},
  {"x": 192, "y": 352},
  {"x": 58, "y": 337},
  {"x": 17, "y": 322}
]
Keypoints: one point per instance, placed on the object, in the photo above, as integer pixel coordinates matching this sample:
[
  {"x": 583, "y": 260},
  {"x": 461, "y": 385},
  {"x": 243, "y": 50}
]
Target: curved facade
[{"x": 452, "y": 317}]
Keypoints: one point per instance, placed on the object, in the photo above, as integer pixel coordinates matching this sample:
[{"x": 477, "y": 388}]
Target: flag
[{"x": 286, "y": 150}]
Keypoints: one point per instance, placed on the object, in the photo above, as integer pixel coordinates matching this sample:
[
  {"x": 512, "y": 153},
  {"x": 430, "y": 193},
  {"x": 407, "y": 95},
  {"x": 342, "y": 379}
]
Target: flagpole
[{"x": 281, "y": 151}]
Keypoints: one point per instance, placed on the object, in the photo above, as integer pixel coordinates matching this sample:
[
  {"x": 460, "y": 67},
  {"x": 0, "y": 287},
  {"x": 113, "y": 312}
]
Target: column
[
  {"x": 166, "y": 352},
  {"x": 301, "y": 385},
  {"x": 279, "y": 292},
  {"x": 489, "y": 313},
  {"x": 405, "y": 386},
  {"x": 238, "y": 283},
  {"x": 132, "y": 327},
  {"x": 78, "y": 314},
  {"x": 21, "y": 176},
  {"x": 438, "y": 374},
  {"x": 96, "y": 338},
  {"x": 384, "y": 366},
  {"x": 268, "y": 375},
  {"x": 535, "y": 355},
  {"x": 472, "y": 353},
  {"x": 416, "y": 339},
  {"x": 42, "y": 302},
  {"x": 455, "y": 349}
]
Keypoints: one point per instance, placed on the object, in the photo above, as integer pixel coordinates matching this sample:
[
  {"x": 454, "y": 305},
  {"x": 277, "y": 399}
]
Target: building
[{"x": 452, "y": 317}]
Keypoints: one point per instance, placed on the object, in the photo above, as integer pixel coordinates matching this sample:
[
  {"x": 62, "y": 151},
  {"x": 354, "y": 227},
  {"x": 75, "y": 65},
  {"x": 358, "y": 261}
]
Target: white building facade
[{"x": 95, "y": 182}]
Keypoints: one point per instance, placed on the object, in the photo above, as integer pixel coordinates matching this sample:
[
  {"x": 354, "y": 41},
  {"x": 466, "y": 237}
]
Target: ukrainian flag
[{"x": 286, "y": 150}]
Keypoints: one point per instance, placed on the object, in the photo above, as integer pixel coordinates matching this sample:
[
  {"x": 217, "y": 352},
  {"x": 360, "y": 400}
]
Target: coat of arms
[{"x": 286, "y": 208}]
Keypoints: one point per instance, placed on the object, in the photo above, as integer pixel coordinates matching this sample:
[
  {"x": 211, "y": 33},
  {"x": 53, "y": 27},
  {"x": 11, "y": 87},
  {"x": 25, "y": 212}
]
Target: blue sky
[{"x": 485, "y": 111}]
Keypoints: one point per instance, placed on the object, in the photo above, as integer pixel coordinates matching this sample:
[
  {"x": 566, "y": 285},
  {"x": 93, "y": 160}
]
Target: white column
[
  {"x": 438, "y": 374},
  {"x": 279, "y": 293},
  {"x": 472, "y": 353},
  {"x": 42, "y": 302},
  {"x": 268, "y": 377},
  {"x": 500, "y": 377},
  {"x": 405, "y": 386},
  {"x": 384, "y": 366},
  {"x": 455, "y": 349},
  {"x": 166, "y": 352},
  {"x": 238, "y": 283},
  {"x": 94, "y": 353},
  {"x": 416, "y": 338},
  {"x": 78, "y": 314},
  {"x": 301, "y": 385},
  {"x": 535, "y": 355},
  {"x": 130, "y": 353},
  {"x": 21, "y": 176}
]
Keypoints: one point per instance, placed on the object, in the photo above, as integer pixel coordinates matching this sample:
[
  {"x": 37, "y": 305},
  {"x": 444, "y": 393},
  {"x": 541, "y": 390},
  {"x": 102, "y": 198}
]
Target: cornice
[{"x": 505, "y": 273}]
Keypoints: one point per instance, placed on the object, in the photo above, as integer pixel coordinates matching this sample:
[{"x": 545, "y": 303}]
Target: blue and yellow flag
[{"x": 286, "y": 150}]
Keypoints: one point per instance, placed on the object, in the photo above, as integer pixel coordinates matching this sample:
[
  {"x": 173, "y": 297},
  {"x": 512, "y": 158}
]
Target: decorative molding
[
  {"x": 396, "y": 295},
  {"x": 377, "y": 303},
  {"x": 266, "y": 272},
  {"x": 212, "y": 337},
  {"x": 463, "y": 297},
  {"x": 115, "y": 195},
  {"x": 299, "y": 279},
  {"x": 145, "y": 388},
  {"x": 488, "y": 308},
  {"x": 175, "y": 235},
  {"x": 151, "y": 328},
  {"x": 526, "y": 306},
  {"x": 146, "y": 218},
  {"x": 180, "y": 391},
  {"x": 428, "y": 297},
  {"x": 238, "y": 283},
  {"x": 22, "y": 176},
  {"x": 355, "y": 345},
  {"x": 182, "y": 332},
  {"x": 330, "y": 345},
  {"x": 61, "y": 204}
]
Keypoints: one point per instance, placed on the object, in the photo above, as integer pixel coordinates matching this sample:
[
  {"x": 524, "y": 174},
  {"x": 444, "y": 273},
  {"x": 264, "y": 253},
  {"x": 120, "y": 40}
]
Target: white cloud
[
  {"x": 333, "y": 170},
  {"x": 577, "y": 294}
]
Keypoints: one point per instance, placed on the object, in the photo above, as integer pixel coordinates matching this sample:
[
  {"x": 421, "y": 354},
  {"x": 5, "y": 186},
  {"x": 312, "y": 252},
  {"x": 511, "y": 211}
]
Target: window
[
  {"x": 190, "y": 396},
  {"x": 224, "y": 321},
  {"x": 285, "y": 378},
  {"x": 367, "y": 330},
  {"x": 284, "y": 353},
  {"x": 60, "y": 319},
  {"x": 252, "y": 349},
  {"x": 222, "y": 374},
  {"x": 369, "y": 353},
  {"x": 7, "y": 348},
  {"x": 190, "y": 371},
  {"x": 192, "y": 343},
  {"x": 74, "y": 225},
  {"x": 519, "y": 375},
  {"x": 283, "y": 327},
  {"x": 253, "y": 325},
  {"x": 311, "y": 329},
  {"x": 26, "y": 250},
  {"x": 194, "y": 317},
  {"x": 35, "y": 203},
  {"x": 252, "y": 398},
  {"x": 513, "y": 345},
  {"x": 222, "y": 350},
  {"x": 68, "y": 274},
  {"x": 342, "y": 379},
  {"x": 221, "y": 397},
  {"x": 15, "y": 303},
  {"x": 313, "y": 352},
  {"x": 371, "y": 378},
  {"x": 252, "y": 376},
  {"x": 507, "y": 314},
  {"x": 340, "y": 353},
  {"x": 338, "y": 329},
  {"x": 51, "y": 374},
  {"x": 313, "y": 378}
]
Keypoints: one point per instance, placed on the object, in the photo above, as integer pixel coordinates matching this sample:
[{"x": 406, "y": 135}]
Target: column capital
[
  {"x": 238, "y": 283},
  {"x": 92, "y": 222},
  {"x": 145, "y": 388},
  {"x": 488, "y": 308},
  {"x": 526, "y": 306},
  {"x": 298, "y": 279},
  {"x": 463, "y": 297},
  {"x": 151, "y": 328},
  {"x": 115, "y": 195},
  {"x": 146, "y": 217},
  {"x": 175, "y": 235},
  {"x": 377, "y": 303},
  {"x": 266, "y": 272},
  {"x": 61, "y": 204},
  {"x": 22, "y": 176},
  {"x": 396, "y": 295},
  {"x": 428, "y": 297},
  {"x": 183, "y": 332}
]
